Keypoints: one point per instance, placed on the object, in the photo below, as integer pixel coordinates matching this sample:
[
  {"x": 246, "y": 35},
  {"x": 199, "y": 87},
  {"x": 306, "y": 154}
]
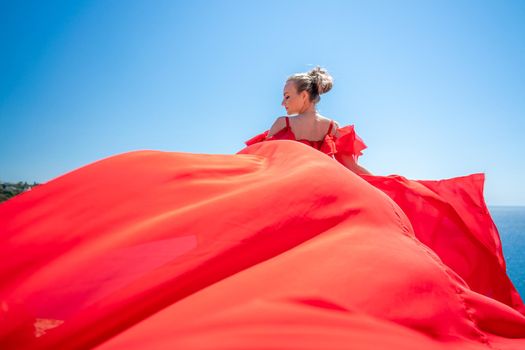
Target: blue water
[{"x": 510, "y": 221}]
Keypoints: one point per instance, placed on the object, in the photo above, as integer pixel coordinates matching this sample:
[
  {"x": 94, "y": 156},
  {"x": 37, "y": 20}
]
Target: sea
[{"x": 510, "y": 221}]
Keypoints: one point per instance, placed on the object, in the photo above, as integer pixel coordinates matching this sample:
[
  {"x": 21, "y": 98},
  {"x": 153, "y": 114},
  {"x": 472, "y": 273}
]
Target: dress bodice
[{"x": 347, "y": 141}]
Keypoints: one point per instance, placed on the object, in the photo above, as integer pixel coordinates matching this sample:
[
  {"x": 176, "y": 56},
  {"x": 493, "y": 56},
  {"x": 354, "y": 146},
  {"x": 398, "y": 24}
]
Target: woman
[
  {"x": 300, "y": 97},
  {"x": 274, "y": 247}
]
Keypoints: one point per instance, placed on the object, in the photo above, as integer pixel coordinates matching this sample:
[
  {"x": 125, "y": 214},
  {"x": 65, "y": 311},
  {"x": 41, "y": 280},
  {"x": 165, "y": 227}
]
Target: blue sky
[{"x": 436, "y": 89}]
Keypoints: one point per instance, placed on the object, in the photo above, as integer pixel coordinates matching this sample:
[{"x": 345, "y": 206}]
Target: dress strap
[
  {"x": 287, "y": 122},
  {"x": 330, "y": 127}
]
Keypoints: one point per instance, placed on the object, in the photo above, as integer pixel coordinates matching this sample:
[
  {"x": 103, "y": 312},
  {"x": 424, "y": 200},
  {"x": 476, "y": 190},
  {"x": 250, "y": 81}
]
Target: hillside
[{"x": 11, "y": 189}]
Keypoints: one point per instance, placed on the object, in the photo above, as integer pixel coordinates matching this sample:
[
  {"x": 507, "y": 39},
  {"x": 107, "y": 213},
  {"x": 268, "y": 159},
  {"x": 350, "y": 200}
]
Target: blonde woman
[{"x": 305, "y": 124}]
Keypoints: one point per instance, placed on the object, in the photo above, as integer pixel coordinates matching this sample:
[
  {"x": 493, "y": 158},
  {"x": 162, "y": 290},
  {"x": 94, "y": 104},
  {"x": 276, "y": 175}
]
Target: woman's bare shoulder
[
  {"x": 277, "y": 125},
  {"x": 335, "y": 126},
  {"x": 326, "y": 119}
]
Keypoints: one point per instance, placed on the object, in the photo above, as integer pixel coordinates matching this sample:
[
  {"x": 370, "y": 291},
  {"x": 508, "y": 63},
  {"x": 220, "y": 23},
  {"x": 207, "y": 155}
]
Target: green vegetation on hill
[{"x": 11, "y": 189}]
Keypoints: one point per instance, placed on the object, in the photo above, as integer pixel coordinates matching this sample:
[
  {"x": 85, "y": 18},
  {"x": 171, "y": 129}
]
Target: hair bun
[{"x": 322, "y": 80}]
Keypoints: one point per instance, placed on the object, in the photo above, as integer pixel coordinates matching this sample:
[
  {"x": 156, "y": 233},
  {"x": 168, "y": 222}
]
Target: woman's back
[{"x": 313, "y": 129}]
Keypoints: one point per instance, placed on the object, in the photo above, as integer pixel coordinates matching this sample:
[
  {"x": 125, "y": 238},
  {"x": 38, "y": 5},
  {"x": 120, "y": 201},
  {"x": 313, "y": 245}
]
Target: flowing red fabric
[{"x": 275, "y": 247}]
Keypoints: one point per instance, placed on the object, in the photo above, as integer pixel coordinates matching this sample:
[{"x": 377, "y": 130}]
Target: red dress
[{"x": 274, "y": 247}]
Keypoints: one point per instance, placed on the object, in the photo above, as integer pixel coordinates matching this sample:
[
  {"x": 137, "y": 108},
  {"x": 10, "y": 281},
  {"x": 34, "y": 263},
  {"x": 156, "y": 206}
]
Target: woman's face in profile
[{"x": 292, "y": 101}]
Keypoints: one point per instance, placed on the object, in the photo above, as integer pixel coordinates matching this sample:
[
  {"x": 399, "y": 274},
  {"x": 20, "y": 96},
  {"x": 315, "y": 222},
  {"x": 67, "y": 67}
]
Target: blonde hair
[{"x": 316, "y": 82}]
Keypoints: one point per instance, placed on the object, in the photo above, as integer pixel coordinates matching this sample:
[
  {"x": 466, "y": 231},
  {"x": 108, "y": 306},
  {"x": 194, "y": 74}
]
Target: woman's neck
[{"x": 310, "y": 113}]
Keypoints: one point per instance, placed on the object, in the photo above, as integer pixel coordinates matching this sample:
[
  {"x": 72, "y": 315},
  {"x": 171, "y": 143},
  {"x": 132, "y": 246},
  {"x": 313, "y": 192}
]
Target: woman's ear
[{"x": 304, "y": 95}]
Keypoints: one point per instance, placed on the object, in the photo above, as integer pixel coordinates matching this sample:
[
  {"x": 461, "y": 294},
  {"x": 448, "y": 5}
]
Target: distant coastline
[{"x": 11, "y": 189}]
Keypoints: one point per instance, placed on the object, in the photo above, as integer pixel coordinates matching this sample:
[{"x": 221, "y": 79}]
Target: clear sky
[{"x": 436, "y": 89}]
